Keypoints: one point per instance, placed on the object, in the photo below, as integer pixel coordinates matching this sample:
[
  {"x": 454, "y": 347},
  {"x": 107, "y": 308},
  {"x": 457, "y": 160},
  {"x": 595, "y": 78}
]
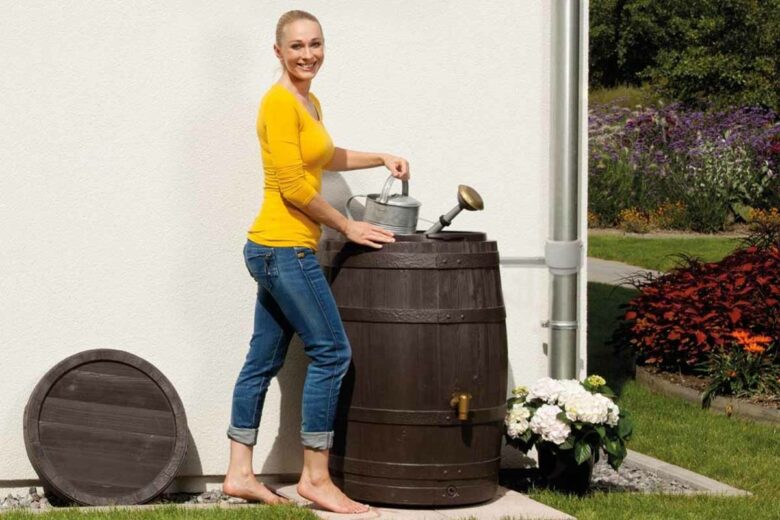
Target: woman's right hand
[{"x": 367, "y": 234}]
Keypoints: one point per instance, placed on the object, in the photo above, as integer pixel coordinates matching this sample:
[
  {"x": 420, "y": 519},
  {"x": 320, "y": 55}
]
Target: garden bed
[
  {"x": 736, "y": 231},
  {"x": 690, "y": 388},
  {"x": 700, "y": 384}
]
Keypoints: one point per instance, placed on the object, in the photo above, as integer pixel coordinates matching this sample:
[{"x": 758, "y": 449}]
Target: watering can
[{"x": 397, "y": 212}]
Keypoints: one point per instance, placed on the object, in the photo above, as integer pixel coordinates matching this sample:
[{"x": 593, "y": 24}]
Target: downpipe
[{"x": 563, "y": 251}]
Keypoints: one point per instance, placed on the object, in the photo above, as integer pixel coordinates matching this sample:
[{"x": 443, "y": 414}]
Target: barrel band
[
  {"x": 371, "y": 468},
  {"x": 381, "y": 260},
  {"x": 362, "y": 314},
  {"x": 423, "y": 417}
]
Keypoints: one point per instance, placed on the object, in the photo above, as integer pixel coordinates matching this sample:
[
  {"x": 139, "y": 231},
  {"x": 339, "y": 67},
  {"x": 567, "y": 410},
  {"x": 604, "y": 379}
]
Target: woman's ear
[{"x": 277, "y": 51}]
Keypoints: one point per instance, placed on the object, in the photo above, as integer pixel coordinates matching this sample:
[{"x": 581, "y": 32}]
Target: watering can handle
[
  {"x": 386, "y": 190},
  {"x": 346, "y": 206}
]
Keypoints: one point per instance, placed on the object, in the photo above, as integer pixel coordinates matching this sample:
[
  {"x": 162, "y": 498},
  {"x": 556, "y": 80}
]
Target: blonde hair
[{"x": 290, "y": 17}]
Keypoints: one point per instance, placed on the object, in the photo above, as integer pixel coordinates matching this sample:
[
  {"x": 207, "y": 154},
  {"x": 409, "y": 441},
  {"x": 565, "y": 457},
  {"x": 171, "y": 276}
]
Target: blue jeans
[{"x": 292, "y": 297}]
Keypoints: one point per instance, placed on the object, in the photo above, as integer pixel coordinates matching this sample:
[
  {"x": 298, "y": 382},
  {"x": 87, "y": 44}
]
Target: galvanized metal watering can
[{"x": 397, "y": 212}]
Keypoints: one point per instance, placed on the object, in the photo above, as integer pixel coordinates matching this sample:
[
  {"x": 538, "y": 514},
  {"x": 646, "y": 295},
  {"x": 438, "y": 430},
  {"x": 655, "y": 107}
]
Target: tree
[{"x": 721, "y": 52}]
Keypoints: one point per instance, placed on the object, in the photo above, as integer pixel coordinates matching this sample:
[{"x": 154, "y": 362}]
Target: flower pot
[{"x": 561, "y": 471}]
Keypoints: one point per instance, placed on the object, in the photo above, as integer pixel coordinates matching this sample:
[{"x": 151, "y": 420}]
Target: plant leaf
[
  {"x": 567, "y": 444},
  {"x": 582, "y": 452},
  {"x": 611, "y": 447},
  {"x": 625, "y": 427}
]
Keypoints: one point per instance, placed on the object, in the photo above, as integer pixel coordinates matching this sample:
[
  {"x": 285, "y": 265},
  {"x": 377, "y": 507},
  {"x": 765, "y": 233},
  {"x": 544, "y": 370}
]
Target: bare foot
[
  {"x": 247, "y": 487},
  {"x": 325, "y": 494}
]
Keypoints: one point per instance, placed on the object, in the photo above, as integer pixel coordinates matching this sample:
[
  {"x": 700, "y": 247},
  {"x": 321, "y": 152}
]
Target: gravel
[
  {"x": 627, "y": 479},
  {"x": 633, "y": 479},
  {"x": 32, "y": 500}
]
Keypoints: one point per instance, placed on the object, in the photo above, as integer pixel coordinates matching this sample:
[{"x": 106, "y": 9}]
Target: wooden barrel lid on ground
[
  {"x": 425, "y": 318},
  {"x": 105, "y": 427}
]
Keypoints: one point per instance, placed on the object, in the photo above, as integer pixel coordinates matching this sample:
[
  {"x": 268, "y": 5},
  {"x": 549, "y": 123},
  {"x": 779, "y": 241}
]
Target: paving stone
[
  {"x": 614, "y": 273},
  {"x": 507, "y": 503}
]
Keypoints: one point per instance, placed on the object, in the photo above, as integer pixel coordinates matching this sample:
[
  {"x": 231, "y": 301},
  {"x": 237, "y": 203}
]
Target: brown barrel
[
  {"x": 425, "y": 317},
  {"x": 105, "y": 427}
]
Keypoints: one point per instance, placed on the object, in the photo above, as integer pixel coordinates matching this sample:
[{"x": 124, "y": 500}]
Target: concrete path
[
  {"x": 611, "y": 272},
  {"x": 507, "y": 504}
]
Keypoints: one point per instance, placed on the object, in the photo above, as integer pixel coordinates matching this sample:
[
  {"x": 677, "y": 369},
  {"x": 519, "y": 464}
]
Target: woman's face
[{"x": 302, "y": 50}]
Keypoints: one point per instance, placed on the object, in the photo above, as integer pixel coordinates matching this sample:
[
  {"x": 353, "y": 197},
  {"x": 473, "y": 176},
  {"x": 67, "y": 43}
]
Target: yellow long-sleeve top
[{"x": 295, "y": 147}]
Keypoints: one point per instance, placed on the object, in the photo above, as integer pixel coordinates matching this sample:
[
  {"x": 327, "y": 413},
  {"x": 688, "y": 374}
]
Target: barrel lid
[{"x": 105, "y": 427}]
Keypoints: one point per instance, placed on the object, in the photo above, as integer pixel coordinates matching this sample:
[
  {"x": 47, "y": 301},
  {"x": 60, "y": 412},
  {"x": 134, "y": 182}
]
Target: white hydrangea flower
[
  {"x": 613, "y": 414},
  {"x": 588, "y": 408},
  {"x": 570, "y": 387},
  {"x": 545, "y": 423},
  {"x": 517, "y": 420},
  {"x": 519, "y": 412},
  {"x": 546, "y": 389},
  {"x": 516, "y": 429}
]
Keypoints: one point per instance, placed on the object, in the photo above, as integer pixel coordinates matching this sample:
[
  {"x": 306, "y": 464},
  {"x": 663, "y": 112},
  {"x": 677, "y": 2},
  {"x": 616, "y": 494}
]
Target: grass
[
  {"x": 739, "y": 453},
  {"x": 658, "y": 253},
  {"x": 624, "y": 96},
  {"x": 170, "y": 512}
]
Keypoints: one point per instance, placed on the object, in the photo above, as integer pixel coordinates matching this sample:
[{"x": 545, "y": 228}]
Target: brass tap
[{"x": 461, "y": 401}]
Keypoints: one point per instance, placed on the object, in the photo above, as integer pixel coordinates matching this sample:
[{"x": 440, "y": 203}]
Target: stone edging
[
  {"x": 700, "y": 483},
  {"x": 727, "y": 406}
]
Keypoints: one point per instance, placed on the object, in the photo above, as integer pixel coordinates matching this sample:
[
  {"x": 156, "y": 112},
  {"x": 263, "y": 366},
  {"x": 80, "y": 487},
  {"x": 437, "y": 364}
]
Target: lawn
[
  {"x": 623, "y": 95},
  {"x": 658, "y": 253},
  {"x": 170, "y": 512},
  {"x": 739, "y": 453}
]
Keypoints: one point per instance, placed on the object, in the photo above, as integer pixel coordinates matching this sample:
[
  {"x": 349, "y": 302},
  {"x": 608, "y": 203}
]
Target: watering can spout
[{"x": 468, "y": 199}]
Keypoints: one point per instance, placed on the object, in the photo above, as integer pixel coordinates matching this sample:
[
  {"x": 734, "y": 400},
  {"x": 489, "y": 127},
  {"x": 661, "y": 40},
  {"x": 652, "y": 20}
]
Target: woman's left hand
[{"x": 398, "y": 166}]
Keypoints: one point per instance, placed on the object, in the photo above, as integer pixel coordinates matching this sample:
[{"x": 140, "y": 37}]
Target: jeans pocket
[
  {"x": 302, "y": 252},
  {"x": 261, "y": 263}
]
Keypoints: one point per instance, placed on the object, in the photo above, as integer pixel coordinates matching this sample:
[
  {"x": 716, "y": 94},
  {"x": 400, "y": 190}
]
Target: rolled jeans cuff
[
  {"x": 246, "y": 436},
  {"x": 317, "y": 440}
]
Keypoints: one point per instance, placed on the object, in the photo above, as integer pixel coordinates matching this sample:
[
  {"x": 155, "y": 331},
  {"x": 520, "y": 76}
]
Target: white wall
[{"x": 131, "y": 171}]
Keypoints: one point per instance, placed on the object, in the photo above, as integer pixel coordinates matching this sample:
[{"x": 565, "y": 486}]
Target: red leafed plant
[{"x": 681, "y": 316}]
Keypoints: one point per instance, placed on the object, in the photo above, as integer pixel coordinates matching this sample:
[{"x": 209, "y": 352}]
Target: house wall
[{"x": 131, "y": 171}]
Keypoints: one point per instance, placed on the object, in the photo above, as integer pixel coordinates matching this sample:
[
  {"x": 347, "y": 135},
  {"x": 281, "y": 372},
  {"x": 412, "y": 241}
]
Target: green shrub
[
  {"x": 715, "y": 181},
  {"x": 610, "y": 192},
  {"x": 721, "y": 52}
]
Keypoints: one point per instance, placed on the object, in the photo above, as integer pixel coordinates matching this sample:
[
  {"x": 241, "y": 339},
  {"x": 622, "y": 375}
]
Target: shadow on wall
[
  {"x": 336, "y": 192},
  {"x": 286, "y": 453},
  {"x": 191, "y": 464}
]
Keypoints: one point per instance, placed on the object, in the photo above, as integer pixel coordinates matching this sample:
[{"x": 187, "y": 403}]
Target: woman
[{"x": 293, "y": 295}]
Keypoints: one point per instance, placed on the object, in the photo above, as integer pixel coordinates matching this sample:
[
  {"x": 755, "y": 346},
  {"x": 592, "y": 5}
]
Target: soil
[
  {"x": 700, "y": 383},
  {"x": 736, "y": 231}
]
